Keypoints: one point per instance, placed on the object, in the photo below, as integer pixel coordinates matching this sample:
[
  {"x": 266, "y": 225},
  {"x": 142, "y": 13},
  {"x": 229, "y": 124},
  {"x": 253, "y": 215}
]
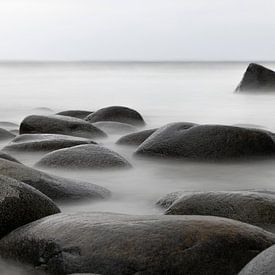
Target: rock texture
[
  {"x": 117, "y": 113},
  {"x": 56, "y": 124},
  {"x": 83, "y": 157},
  {"x": 257, "y": 78},
  {"x": 107, "y": 243},
  {"x": 56, "y": 188},
  {"x": 21, "y": 204}
]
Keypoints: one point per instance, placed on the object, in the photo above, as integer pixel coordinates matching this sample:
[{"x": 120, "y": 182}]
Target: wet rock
[
  {"x": 262, "y": 264},
  {"x": 21, "y": 204},
  {"x": 257, "y": 78},
  {"x": 137, "y": 138},
  {"x": 83, "y": 156},
  {"x": 56, "y": 188},
  {"x": 107, "y": 243},
  {"x": 44, "y": 142},
  {"x": 207, "y": 142},
  {"x": 56, "y": 124},
  {"x": 75, "y": 113},
  {"x": 113, "y": 127},
  {"x": 167, "y": 200},
  {"x": 5, "y": 134},
  {"x": 4, "y": 155},
  {"x": 249, "y": 207},
  {"x": 117, "y": 113}
]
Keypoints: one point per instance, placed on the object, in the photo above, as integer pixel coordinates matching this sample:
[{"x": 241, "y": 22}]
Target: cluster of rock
[{"x": 200, "y": 233}]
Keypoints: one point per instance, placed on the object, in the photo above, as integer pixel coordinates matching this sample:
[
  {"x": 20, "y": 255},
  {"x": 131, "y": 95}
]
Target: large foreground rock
[
  {"x": 83, "y": 157},
  {"x": 250, "y": 207},
  {"x": 75, "y": 113},
  {"x": 263, "y": 264},
  {"x": 44, "y": 142},
  {"x": 137, "y": 138},
  {"x": 5, "y": 134},
  {"x": 113, "y": 127},
  {"x": 117, "y": 113},
  {"x": 56, "y": 124},
  {"x": 122, "y": 244},
  {"x": 56, "y": 188},
  {"x": 207, "y": 142},
  {"x": 21, "y": 204},
  {"x": 257, "y": 78}
]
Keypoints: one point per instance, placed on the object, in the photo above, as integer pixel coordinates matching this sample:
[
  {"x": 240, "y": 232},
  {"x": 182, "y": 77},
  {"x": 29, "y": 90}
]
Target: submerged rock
[
  {"x": 262, "y": 264},
  {"x": 21, "y": 204},
  {"x": 75, "y": 113},
  {"x": 207, "y": 142},
  {"x": 8, "y": 125},
  {"x": 136, "y": 138},
  {"x": 5, "y": 134},
  {"x": 250, "y": 207},
  {"x": 113, "y": 127},
  {"x": 56, "y": 188},
  {"x": 257, "y": 78},
  {"x": 4, "y": 155},
  {"x": 56, "y": 124},
  {"x": 83, "y": 156},
  {"x": 107, "y": 243},
  {"x": 117, "y": 113},
  {"x": 44, "y": 142}
]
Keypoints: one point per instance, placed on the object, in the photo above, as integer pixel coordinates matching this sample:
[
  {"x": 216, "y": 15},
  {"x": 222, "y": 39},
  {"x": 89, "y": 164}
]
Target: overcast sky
[{"x": 137, "y": 29}]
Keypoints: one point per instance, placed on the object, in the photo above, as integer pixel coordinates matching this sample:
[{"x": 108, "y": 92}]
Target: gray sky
[{"x": 137, "y": 29}]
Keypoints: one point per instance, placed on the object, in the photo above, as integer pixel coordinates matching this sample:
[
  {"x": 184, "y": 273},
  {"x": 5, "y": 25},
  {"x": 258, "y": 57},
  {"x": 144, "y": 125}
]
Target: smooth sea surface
[{"x": 162, "y": 93}]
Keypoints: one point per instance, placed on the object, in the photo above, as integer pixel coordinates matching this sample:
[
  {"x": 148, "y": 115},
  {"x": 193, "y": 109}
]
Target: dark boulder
[
  {"x": 137, "y": 138},
  {"x": 257, "y": 78},
  {"x": 249, "y": 207},
  {"x": 262, "y": 264},
  {"x": 117, "y": 113},
  {"x": 75, "y": 113},
  {"x": 44, "y": 142},
  {"x": 55, "y": 124},
  {"x": 113, "y": 127},
  {"x": 83, "y": 157},
  {"x": 4, "y": 155},
  {"x": 56, "y": 188},
  {"x": 5, "y": 134},
  {"x": 108, "y": 243},
  {"x": 21, "y": 204},
  {"x": 207, "y": 142}
]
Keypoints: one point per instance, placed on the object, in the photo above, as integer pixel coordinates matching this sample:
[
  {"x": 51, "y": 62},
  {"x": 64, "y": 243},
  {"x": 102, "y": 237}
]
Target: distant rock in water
[
  {"x": 117, "y": 113},
  {"x": 83, "y": 157},
  {"x": 21, "y": 204},
  {"x": 106, "y": 243},
  {"x": 262, "y": 264},
  {"x": 44, "y": 142},
  {"x": 136, "y": 138},
  {"x": 249, "y": 207},
  {"x": 5, "y": 134},
  {"x": 56, "y": 124},
  {"x": 6, "y": 156},
  {"x": 114, "y": 127},
  {"x": 8, "y": 125},
  {"x": 75, "y": 113},
  {"x": 207, "y": 142},
  {"x": 257, "y": 78},
  {"x": 56, "y": 188}
]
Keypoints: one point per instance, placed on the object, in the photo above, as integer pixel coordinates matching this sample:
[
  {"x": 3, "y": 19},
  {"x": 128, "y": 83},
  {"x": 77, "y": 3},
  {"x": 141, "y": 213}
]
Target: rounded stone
[
  {"x": 135, "y": 139},
  {"x": 56, "y": 188},
  {"x": 75, "y": 113},
  {"x": 249, "y": 207},
  {"x": 108, "y": 243},
  {"x": 83, "y": 157},
  {"x": 207, "y": 142},
  {"x": 21, "y": 204},
  {"x": 117, "y": 113},
  {"x": 56, "y": 124},
  {"x": 44, "y": 142}
]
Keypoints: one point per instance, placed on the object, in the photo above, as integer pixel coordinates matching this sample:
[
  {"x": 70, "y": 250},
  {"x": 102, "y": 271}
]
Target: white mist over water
[{"x": 162, "y": 93}]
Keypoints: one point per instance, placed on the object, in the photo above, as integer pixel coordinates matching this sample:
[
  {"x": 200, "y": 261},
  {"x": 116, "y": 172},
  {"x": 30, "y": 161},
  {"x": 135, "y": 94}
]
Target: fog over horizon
[{"x": 139, "y": 30}]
